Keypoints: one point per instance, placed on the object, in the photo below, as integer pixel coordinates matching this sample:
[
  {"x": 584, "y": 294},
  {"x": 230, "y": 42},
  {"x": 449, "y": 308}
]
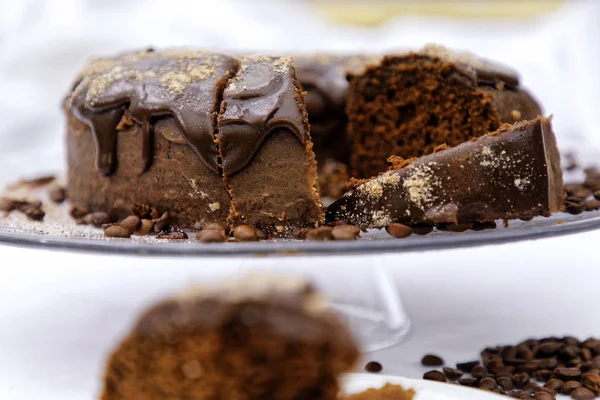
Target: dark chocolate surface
[
  {"x": 512, "y": 173},
  {"x": 262, "y": 98},
  {"x": 184, "y": 84}
]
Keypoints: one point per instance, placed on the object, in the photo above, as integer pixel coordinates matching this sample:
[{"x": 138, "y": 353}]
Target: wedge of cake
[
  {"x": 266, "y": 150},
  {"x": 407, "y": 104},
  {"x": 259, "y": 337},
  {"x": 511, "y": 173}
]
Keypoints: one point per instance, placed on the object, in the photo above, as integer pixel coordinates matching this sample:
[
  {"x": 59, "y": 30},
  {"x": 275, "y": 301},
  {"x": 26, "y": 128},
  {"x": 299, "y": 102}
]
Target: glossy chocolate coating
[
  {"x": 512, "y": 173},
  {"x": 262, "y": 98},
  {"x": 183, "y": 84}
]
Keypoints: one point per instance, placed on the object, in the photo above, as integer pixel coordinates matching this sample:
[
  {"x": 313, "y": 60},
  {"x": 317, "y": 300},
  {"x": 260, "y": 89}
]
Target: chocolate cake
[
  {"x": 266, "y": 150},
  {"x": 511, "y": 173},
  {"x": 407, "y": 104},
  {"x": 255, "y": 338},
  {"x": 141, "y": 129}
]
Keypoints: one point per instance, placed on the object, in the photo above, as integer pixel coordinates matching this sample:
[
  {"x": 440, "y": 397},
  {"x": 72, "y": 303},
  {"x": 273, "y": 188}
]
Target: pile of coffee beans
[
  {"x": 335, "y": 231},
  {"x": 538, "y": 369},
  {"x": 584, "y": 196}
]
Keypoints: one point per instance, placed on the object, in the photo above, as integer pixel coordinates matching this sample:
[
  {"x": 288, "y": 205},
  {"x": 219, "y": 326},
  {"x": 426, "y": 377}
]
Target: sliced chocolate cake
[
  {"x": 259, "y": 337},
  {"x": 511, "y": 173}
]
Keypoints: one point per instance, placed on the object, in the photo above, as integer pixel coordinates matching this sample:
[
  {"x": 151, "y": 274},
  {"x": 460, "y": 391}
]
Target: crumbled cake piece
[{"x": 387, "y": 392}]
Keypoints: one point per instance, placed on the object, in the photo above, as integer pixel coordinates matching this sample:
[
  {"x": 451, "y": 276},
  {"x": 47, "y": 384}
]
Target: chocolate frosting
[
  {"x": 512, "y": 173},
  {"x": 182, "y": 84},
  {"x": 262, "y": 98}
]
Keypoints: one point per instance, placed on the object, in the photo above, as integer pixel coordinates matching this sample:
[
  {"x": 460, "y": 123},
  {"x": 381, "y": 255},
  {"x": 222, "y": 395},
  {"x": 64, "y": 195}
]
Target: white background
[{"x": 459, "y": 301}]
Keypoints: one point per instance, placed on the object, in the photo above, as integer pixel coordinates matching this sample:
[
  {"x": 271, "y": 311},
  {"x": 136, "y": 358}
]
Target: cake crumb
[
  {"x": 214, "y": 206},
  {"x": 419, "y": 185}
]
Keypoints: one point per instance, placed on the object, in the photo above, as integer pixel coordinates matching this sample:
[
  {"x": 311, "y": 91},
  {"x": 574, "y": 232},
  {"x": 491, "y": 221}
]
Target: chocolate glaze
[
  {"x": 262, "y": 98},
  {"x": 185, "y": 85},
  {"x": 512, "y": 173}
]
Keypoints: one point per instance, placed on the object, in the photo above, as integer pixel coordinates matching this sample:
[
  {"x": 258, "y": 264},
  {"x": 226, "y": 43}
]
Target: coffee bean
[
  {"x": 261, "y": 235},
  {"x": 543, "y": 396},
  {"x": 583, "y": 394},
  {"x": 345, "y": 232},
  {"x": 505, "y": 369},
  {"x": 431, "y": 360},
  {"x": 554, "y": 384},
  {"x": 398, "y": 230},
  {"x": 544, "y": 389},
  {"x": 587, "y": 366},
  {"x": 132, "y": 223},
  {"x": 471, "y": 382},
  {"x": 78, "y": 212},
  {"x": 373, "y": 366},
  {"x": 542, "y": 375},
  {"x": 515, "y": 394},
  {"x": 586, "y": 354},
  {"x": 321, "y": 233},
  {"x": 569, "y": 386},
  {"x": 451, "y": 373},
  {"x": 116, "y": 231},
  {"x": 505, "y": 383},
  {"x": 434, "y": 376},
  {"x": 300, "y": 233},
  {"x": 488, "y": 383},
  {"x": 146, "y": 226},
  {"x": 591, "y": 382},
  {"x": 479, "y": 372},
  {"x": 592, "y": 205},
  {"x": 529, "y": 367},
  {"x": 521, "y": 379},
  {"x": 526, "y": 395},
  {"x": 211, "y": 236},
  {"x": 570, "y": 162},
  {"x": 172, "y": 234},
  {"x": 577, "y": 190},
  {"x": 467, "y": 366},
  {"x": 97, "y": 219},
  {"x": 548, "y": 363},
  {"x": 33, "y": 212},
  {"x": 217, "y": 226},
  {"x": 568, "y": 374},
  {"x": 58, "y": 194},
  {"x": 245, "y": 233},
  {"x": 574, "y": 206},
  {"x": 531, "y": 387},
  {"x": 548, "y": 348},
  {"x": 597, "y": 194},
  {"x": 495, "y": 362},
  {"x": 592, "y": 181},
  {"x": 162, "y": 223},
  {"x": 8, "y": 204},
  {"x": 574, "y": 362},
  {"x": 422, "y": 229}
]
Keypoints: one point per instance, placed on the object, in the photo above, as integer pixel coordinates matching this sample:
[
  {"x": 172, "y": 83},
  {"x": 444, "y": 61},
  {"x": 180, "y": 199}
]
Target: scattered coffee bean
[
  {"x": 97, "y": 218},
  {"x": 591, "y": 382},
  {"x": 211, "y": 236},
  {"x": 479, "y": 372},
  {"x": 321, "y": 233},
  {"x": 592, "y": 205},
  {"x": 146, "y": 226},
  {"x": 467, "y": 366},
  {"x": 431, "y": 360},
  {"x": 577, "y": 190},
  {"x": 597, "y": 194},
  {"x": 245, "y": 233},
  {"x": 398, "y": 230},
  {"x": 217, "y": 226},
  {"x": 172, "y": 234},
  {"x": 132, "y": 223},
  {"x": 569, "y": 386},
  {"x": 583, "y": 394},
  {"x": 451, "y": 373},
  {"x": 58, "y": 194},
  {"x": 33, "y": 211},
  {"x": 505, "y": 383},
  {"x": 116, "y": 231},
  {"x": 434, "y": 376},
  {"x": 422, "y": 229},
  {"x": 554, "y": 384},
  {"x": 162, "y": 223},
  {"x": 78, "y": 212},
  {"x": 568, "y": 374},
  {"x": 574, "y": 205},
  {"x": 373, "y": 366},
  {"x": 471, "y": 382},
  {"x": 345, "y": 232},
  {"x": 543, "y": 396},
  {"x": 8, "y": 204},
  {"x": 488, "y": 383}
]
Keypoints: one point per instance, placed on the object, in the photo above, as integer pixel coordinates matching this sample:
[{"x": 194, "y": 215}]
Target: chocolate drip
[
  {"x": 180, "y": 84},
  {"x": 261, "y": 99}
]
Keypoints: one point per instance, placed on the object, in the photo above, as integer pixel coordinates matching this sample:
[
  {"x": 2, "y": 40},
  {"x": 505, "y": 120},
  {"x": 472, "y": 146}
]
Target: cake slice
[
  {"x": 407, "y": 104},
  {"x": 511, "y": 173},
  {"x": 259, "y": 337},
  {"x": 266, "y": 149},
  {"x": 140, "y": 130}
]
